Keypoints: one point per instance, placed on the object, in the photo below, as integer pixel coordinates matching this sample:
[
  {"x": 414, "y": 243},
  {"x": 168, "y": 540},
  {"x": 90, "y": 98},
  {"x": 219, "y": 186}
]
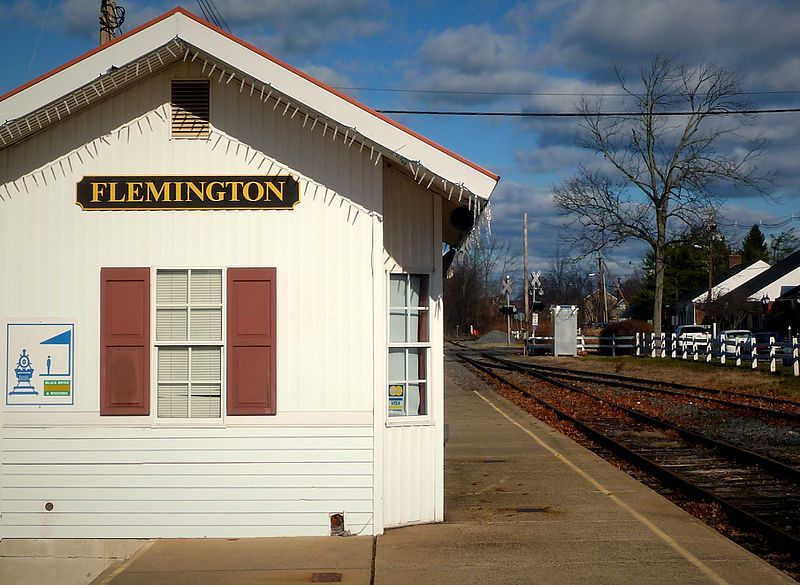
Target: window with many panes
[
  {"x": 189, "y": 343},
  {"x": 409, "y": 345}
]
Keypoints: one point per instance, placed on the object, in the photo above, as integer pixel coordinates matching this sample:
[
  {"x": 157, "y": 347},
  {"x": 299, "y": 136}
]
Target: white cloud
[
  {"x": 736, "y": 33},
  {"x": 278, "y": 26},
  {"x": 302, "y": 26},
  {"x": 474, "y": 60}
]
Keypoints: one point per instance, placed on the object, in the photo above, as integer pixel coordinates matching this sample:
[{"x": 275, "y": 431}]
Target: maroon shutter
[
  {"x": 125, "y": 341},
  {"x": 251, "y": 341}
]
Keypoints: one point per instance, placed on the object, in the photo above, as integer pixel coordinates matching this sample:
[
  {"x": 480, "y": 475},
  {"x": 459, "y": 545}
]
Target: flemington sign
[{"x": 110, "y": 193}]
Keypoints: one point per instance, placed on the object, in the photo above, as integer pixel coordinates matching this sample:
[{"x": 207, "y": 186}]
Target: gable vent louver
[{"x": 190, "y": 108}]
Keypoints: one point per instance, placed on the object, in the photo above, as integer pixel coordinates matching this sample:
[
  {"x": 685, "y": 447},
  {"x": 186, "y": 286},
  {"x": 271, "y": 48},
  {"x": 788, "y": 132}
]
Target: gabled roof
[
  {"x": 177, "y": 35},
  {"x": 727, "y": 281},
  {"x": 790, "y": 295},
  {"x": 766, "y": 278}
]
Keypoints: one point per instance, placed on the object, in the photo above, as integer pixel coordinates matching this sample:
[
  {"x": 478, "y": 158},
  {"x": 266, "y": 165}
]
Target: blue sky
[{"x": 491, "y": 55}]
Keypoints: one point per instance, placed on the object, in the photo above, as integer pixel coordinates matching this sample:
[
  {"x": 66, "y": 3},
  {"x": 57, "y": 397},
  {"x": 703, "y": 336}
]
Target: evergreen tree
[
  {"x": 754, "y": 246},
  {"x": 687, "y": 264}
]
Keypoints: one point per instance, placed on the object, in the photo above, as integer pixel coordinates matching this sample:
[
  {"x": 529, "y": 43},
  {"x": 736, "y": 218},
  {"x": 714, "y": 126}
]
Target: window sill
[
  {"x": 408, "y": 421},
  {"x": 180, "y": 423}
]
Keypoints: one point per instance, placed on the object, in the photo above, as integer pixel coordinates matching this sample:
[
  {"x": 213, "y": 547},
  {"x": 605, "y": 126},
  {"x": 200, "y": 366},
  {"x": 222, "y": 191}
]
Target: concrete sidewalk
[
  {"x": 247, "y": 561},
  {"x": 523, "y": 504}
]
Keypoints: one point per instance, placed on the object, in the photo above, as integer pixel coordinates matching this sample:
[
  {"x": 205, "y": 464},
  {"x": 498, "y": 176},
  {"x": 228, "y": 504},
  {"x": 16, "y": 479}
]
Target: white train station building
[{"x": 221, "y": 297}]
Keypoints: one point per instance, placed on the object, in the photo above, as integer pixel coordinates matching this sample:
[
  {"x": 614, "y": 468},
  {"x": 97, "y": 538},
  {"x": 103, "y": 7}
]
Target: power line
[
  {"x": 777, "y": 223},
  {"x": 532, "y": 93},
  {"x": 580, "y": 115},
  {"x": 212, "y": 14},
  {"x": 219, "y": 15}
]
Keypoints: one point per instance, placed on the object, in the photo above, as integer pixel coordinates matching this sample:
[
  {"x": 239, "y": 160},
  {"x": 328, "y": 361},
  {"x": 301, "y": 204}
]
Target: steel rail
[
  {"x": 652, "y": 386},
  {"x": 678, "y": 385},
  {"x": 739, "y": 453}
]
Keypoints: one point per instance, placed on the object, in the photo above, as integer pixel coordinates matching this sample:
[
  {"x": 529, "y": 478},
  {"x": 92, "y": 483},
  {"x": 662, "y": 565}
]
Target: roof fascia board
[
  {"x": 84, "y": 70},
  {"x": 734, "y": 282},
  {"x": 262, "y": 67},
  {"x": 333, "y": 106},
  {"x": 775, "y": 285}
]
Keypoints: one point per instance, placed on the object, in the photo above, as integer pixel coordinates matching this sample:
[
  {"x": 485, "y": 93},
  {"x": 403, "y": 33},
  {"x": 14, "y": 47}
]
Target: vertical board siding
[
  {"x": 409, "y": 225},
  {"x": 322, "y": 251},
  {"x": 413, "y": 456},
  {"x": 409, "y": 477}
]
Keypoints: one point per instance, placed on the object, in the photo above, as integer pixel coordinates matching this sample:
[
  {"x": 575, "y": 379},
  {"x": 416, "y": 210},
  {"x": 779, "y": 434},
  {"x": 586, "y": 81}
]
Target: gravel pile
[{"x": 493, "y": 337}]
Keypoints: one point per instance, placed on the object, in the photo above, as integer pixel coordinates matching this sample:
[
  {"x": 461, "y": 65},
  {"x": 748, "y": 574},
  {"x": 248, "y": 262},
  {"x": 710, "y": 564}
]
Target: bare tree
[
  {"x": 730, "y": 310},
  {"x": 474, "y": 282},
  {"x": 662, "y": 161},
  {"x": 566, "y": 281}
]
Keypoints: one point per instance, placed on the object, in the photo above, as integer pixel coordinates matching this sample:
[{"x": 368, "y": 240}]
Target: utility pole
[
  {"x": 710, "y": 263},
  {"x": 506, "y": 290},
  {"x": 525, "y": 271},
  {"x": 601, "y": 273},
  {"x": 106, "y": 17},
  {"x": 111, "y": 19}
]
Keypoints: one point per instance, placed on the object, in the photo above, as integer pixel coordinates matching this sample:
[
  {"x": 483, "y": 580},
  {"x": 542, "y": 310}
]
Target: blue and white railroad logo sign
[
  {"x": 24, "y": 373},
  {"x": 39, "y": 364}
]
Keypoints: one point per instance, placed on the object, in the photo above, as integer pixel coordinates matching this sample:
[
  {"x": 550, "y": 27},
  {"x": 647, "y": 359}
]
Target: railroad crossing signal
[
  {"x": 536, "y": 279},
  {"x": 505, "y": 287}
]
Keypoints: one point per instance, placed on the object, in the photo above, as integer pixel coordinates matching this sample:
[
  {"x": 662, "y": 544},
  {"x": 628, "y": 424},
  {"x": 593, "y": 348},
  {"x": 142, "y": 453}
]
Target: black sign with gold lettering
[{"x": 161, "y": 193}]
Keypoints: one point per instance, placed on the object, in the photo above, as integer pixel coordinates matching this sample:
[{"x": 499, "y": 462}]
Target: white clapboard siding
[
  {"x": 98, "y": 432},
  {"x": 174, "y": 478},
  {"x": 12, "y": 444},
  {"x": 109, "y": 486},
  {"x": 293, "y": 518},
  {"x": 216, "y": 529},
  {"x": 194, "y": 492},
  {"x": 179, "y": 506},
  {"x": 204, "y": 469},
  {"x": 136, "y": 477}
]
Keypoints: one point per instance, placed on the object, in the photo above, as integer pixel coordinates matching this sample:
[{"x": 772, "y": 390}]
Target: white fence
[
  {"x": 741, "y": 353},
  {"x": 737, "y": 352}
]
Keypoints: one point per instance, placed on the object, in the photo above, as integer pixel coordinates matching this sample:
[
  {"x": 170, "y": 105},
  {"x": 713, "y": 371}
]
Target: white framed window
[
  {"x": 189, "y": 343},
  {"x": 409, "y": 345}
]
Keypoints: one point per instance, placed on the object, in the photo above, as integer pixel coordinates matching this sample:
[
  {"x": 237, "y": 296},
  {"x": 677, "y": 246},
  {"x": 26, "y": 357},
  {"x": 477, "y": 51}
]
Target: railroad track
[
  {"x": 779, "y": 407},
  {"x": 773, "y": 432},
  {"x": 758, "y": 491},
  {"x": 785, "y": 406},
  {"x": 782, "y": 409}
]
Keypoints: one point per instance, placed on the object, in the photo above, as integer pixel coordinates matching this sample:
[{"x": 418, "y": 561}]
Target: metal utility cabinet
[{"x": 565, "y": 329}]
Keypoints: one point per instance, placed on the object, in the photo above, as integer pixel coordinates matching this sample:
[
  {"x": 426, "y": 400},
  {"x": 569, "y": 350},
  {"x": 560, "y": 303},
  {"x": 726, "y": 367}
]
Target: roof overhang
[{"x": 180, "y": 35}]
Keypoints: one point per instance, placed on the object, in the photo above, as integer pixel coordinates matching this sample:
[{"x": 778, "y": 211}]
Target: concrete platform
[
  {"x": 584, "y": 521},
  {"x": 524, "y": 504}
]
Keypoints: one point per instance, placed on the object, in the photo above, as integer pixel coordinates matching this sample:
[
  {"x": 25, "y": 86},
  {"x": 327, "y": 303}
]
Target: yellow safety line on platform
[
  {"x": 704, "y": 568},
  {"x": 126, "y": 563}
]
